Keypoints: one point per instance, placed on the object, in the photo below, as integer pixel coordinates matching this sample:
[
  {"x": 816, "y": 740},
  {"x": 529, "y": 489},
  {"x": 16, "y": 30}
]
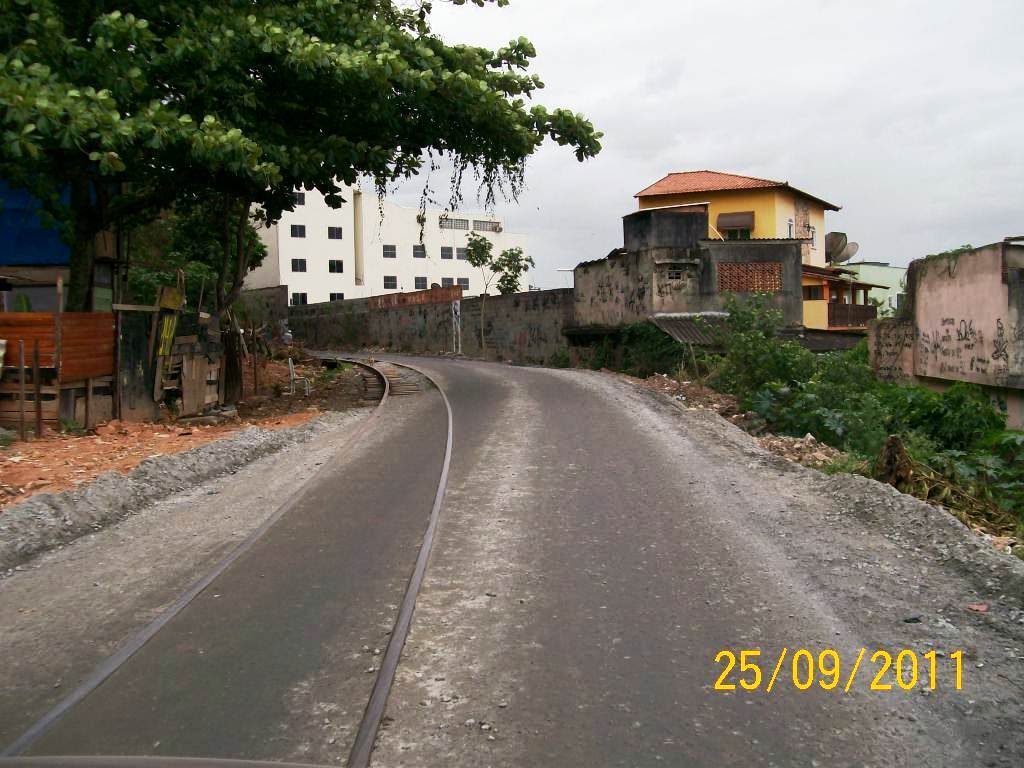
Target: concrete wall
[
  {"x": 522, "y": 327},
  {"x": 668, "y": 267},
  {"x": 785, "y": 253},
  {"x": 265, "y": 305},
  {"x": 614, "y": 291},
  {"x": 964, "y": 324}
]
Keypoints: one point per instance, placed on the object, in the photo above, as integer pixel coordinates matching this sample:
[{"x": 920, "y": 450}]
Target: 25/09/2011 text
[{"x": 905, "y": 670}]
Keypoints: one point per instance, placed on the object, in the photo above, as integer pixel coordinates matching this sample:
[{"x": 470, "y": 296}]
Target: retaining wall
[{"x": 522, "y": 327}]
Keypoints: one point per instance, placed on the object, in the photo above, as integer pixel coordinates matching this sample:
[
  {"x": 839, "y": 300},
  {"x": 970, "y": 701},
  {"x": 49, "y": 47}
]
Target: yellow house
[
  {"x": 745, "y": 207},
  {"x": 749, "y": 208}
]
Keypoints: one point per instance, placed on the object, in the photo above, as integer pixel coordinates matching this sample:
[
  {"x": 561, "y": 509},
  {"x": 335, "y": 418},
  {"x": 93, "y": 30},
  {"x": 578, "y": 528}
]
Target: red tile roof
[{"x": 715, "y": 181}]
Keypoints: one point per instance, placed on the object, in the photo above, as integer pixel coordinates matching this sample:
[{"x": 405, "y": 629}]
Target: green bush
[
  {"x": 754, "y": 356},
  {"x": 602, "y": 355},
  {"x": 836, "y": 397},
  {"x": 647, "y": 350},
  {"x": 560, "y": 359}
]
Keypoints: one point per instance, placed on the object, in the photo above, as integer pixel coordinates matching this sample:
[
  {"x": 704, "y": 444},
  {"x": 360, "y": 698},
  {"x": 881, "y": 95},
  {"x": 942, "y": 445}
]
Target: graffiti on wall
[
  {"x": 957, "y": 349},
  {"x": 890, "y": 343}
]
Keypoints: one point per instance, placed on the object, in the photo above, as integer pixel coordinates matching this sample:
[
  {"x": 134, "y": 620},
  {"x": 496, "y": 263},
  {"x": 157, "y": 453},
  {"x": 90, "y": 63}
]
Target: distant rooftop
[{"x": 685, "y": 182}]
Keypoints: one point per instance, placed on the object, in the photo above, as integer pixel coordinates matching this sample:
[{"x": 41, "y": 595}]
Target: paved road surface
[{"x": 597, "y": 548}]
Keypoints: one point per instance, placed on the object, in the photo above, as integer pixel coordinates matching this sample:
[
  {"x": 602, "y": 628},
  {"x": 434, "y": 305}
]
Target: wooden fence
[{"x": 46, "y": 353}]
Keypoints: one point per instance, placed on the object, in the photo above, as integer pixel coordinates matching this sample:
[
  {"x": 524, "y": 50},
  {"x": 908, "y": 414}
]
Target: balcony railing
[{"x": 850, "y": 315}]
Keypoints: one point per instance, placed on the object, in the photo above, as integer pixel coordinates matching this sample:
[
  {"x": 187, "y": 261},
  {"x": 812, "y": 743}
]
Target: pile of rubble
[
  {"x": 804, "y": 450},
  {"x": 689, "y": 393}
]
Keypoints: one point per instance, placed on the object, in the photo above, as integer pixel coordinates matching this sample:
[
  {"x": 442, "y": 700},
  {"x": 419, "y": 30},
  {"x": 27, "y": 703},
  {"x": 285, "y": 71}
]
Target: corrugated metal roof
[{"x": 691, "y": 327}]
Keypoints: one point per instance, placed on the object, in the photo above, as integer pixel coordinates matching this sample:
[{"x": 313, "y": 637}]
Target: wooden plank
[
  {"x": 37, "y": 394},
  {"x": 13, "y": 389},
  {"x": 88, "y": 402},
  {"x": 134, "y": 308},
  {"x": 13, "y": 409},
  {"x": 58, "y": 323},
  {"x": 21, "y": 389}
]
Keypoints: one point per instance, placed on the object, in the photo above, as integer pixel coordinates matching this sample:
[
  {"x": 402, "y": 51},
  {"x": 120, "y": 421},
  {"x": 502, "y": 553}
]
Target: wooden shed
[{"x": 50, "y": 356}]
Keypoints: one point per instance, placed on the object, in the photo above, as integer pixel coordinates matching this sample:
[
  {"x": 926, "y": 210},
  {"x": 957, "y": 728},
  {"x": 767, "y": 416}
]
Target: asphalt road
[
  {"x": 271, "y": 656},
  {"x": 596, "y": 551}
]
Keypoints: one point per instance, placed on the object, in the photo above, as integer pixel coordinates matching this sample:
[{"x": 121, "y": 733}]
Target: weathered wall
[
  {"x": 968, "y": 329},
  {"x": 965, "y": 325},
  {"x": 614, "y": 291},
  {"x": 630, "y": 286},
  {"x": 354, "y": 325},
  {"x": 265, "y": 305},
  {"x": 522, "y": 327},
  {"x": 782, "y": 255}
]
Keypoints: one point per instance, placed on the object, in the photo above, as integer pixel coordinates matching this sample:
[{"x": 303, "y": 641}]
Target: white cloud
[{"x": 905, "y": 113}]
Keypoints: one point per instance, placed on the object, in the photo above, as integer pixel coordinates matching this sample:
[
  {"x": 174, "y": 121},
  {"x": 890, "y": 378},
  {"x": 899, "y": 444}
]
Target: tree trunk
[
  {"x": 483, "y": 307},
  {"x": 83, "y": 248},
  {"x": 232, "y": 368}
]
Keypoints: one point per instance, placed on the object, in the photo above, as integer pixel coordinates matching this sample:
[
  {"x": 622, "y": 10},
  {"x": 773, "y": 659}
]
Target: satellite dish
[
  {"x": 835, "y": 242},
  {"x": 846, "y": 254}
]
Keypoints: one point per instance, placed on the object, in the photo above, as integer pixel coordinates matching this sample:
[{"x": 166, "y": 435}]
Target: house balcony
[{"x": 832, "y": 315}]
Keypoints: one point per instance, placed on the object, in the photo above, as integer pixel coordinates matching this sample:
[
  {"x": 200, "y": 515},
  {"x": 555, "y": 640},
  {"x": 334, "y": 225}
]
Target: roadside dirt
[{"x": 59, "y": 462}]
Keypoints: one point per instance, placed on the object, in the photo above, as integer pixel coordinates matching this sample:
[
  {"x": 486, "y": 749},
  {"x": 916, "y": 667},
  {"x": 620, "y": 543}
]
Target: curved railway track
[{"x": 383, "y": 380}]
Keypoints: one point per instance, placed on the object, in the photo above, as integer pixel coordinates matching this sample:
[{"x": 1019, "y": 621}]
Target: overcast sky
[{"x": 909, "y": 115}]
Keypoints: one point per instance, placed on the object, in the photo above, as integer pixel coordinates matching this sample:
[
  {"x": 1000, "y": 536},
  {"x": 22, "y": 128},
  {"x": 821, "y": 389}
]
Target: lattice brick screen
[{"x": 762, "y": 277}]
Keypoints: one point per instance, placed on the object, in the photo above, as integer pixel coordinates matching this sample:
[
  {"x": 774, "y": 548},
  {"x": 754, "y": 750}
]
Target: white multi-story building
[{"x": 366, "y": 248}]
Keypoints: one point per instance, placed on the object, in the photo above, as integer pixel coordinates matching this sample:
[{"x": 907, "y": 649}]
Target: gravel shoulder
[{"x": 67, "y": 609}]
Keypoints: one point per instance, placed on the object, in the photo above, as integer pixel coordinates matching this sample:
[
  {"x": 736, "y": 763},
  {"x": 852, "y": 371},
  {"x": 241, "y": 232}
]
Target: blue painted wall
[{"x": 24, "y": 241}]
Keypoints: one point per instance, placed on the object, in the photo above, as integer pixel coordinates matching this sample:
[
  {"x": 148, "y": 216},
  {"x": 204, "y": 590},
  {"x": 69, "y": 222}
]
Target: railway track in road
[{"x": 383, "y": 380}]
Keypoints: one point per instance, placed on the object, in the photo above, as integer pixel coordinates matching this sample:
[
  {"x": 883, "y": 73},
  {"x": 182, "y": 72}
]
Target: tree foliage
[
  {"x": 114, "y": 111},
  {"x": 190, "y": 239}
]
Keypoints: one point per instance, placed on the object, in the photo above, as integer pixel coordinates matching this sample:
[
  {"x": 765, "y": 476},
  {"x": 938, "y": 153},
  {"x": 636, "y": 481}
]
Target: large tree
[{"x": 114, "y": 110}]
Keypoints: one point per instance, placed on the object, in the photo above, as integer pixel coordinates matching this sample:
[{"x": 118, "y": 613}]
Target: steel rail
[
  {"x": 366, "y": 736},
  {"x": 126, "y": 651}
]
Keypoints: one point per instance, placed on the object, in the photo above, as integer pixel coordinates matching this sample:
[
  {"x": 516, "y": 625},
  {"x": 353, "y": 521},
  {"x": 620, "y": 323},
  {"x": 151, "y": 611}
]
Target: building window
[
  {"x": 460, "y": 254},
  {"x": 390, "y": 282},
  {"x": 299, "y": 299},
  {"x": 419, "y": 251},
  {"x": 463, "y": 283},
  {"x": 390, "y": 252},
  {"x": 298, "y": 230},
  {"x": 486, "y": 226},
  {"x": 421, "y": 283},
  {"x": 335, "y": 266},
  {"x": 300, "y": 198},
  {"x": 334, "y": 233},
  {"x": 790, "y": 223},
  {"x": 737, "y": 234},
  {"x": 447, "y": 223},
  {"x": 447, "y": 282},
  {"x": 814, "y": 293},
  {"x": 813, "y": 234},
  {"x": 298, "y": 265},
  {"x": 447, "y": 252},
  {"x": 337, "y": 297},
  {"x": 675, "y": 274}
]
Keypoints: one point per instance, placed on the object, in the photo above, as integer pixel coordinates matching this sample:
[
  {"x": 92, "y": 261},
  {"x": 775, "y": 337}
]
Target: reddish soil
[{"x": 58, "y": 462}]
